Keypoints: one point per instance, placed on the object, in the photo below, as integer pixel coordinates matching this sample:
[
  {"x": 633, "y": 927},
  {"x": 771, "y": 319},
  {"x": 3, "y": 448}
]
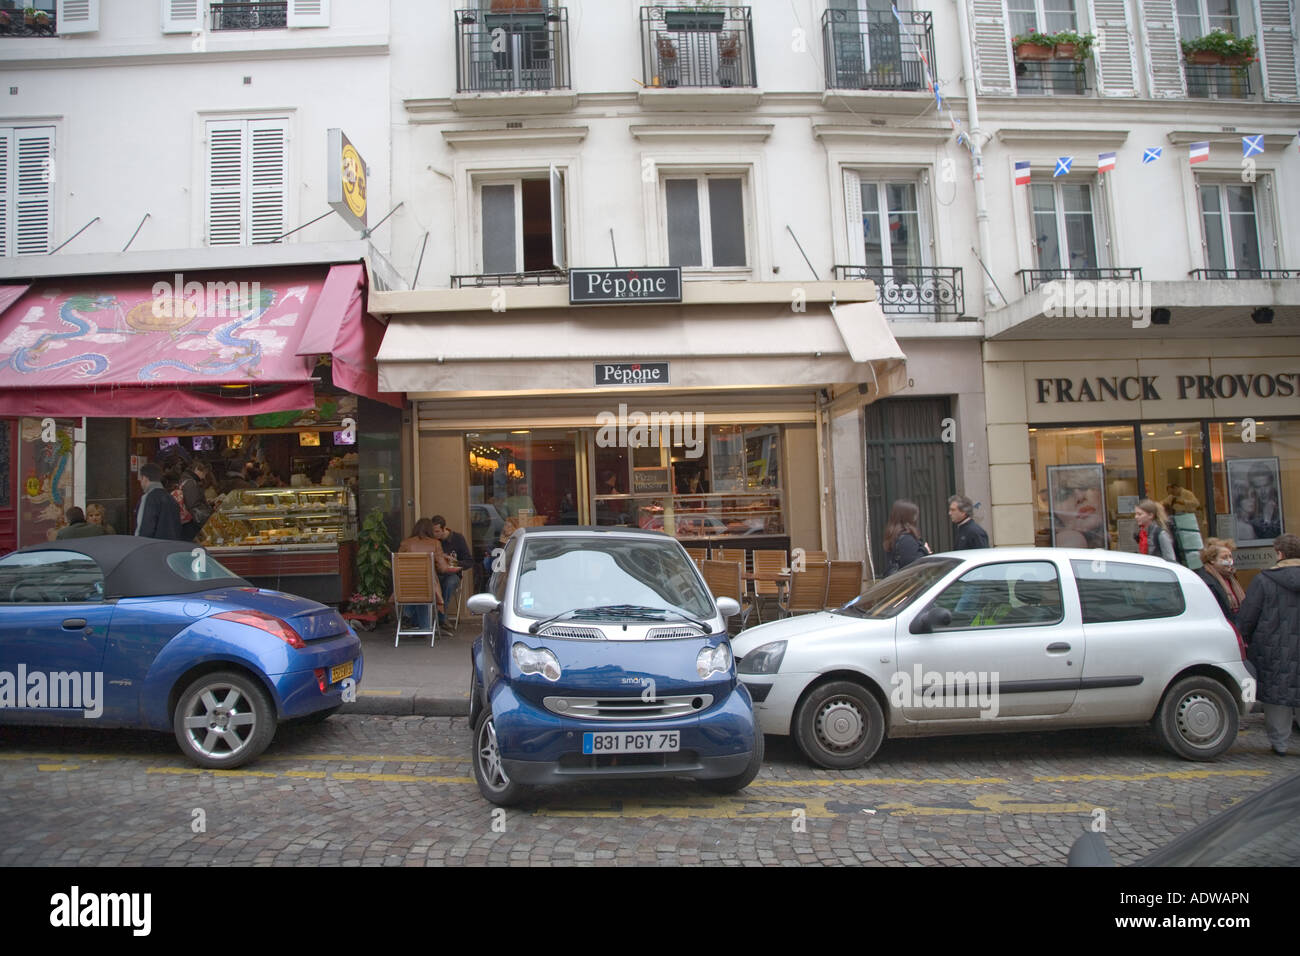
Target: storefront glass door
[{"x": 1173, "y": 460}]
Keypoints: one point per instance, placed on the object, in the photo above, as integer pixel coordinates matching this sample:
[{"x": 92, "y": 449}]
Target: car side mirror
[
  {"x": 929, "y": 619},
  {"x": 482, "y": 604},
  {"x": 728, "y": 607}
]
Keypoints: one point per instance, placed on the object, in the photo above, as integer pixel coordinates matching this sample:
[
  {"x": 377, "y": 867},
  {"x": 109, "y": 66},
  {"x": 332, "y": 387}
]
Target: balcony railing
[
  {"x": 494, "y": 279},
  {"x": 914, "y": 290},
  {"x": 697, "y": 47},
  {"x": 510, "y": 51},
  {"x": 1245, "y": 273},
  {"x": 1032, "y": 278},
  {"x": 1223, "y": 82},
  {"x": 1051, "y": 77},
  {"x": 250, "y": 16},
  {"x": 871, "y": 50},
  {"x": 15, "y": 23}
]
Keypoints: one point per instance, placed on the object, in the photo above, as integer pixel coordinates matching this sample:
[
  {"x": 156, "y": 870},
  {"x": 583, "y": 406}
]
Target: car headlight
[
  {"x": 764, "y": 659},
  {"x": 713, "y": 660},
  {"x": 536, "y": 660}
]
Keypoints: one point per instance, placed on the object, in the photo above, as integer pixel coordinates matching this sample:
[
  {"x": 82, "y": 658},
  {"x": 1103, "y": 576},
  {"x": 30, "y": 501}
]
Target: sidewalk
[{"x": 415, "y": 679}]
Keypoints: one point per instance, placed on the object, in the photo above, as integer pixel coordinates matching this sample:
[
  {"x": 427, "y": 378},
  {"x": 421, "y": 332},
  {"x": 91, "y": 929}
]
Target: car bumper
[
  {"x": 298, "y": 690},
  {"x": 775, "y": 697}
]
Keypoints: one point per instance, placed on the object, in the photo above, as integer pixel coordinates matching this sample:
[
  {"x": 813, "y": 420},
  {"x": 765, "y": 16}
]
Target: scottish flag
[
  {"x": 1150, "y": 155},
  {"x": 1063, "y": 166},
  {"x": 1252, "y": 145}
]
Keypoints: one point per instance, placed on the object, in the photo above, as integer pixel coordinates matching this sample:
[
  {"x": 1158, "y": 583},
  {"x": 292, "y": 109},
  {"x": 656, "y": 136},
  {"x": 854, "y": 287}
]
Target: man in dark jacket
[
  {"x": 158, "y": 516},
  {"x": 78, "y": 526},
  {"x": 968, "y": 534},
  {"x": 1269, "y": 621}
]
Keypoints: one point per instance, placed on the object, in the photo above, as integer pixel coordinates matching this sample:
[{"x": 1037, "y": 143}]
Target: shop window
[
  {"x": 247, "y": 181},
  {"x": 1234, "y": 225},
  {"x": 705, "y": 218},
  {"x": 1065, "y": 226},
  {"x": 1085, "y": 486},
  {"x": 26, "y": 190},
  {"x": 1256, "y": 484},
  {"x": 521, "y": 224}
]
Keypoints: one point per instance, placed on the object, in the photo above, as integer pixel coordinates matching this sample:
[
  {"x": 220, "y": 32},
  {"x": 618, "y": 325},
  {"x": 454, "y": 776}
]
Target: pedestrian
[
  {"x": 193, "y": 499},
  {"x": 459, "y": 557},
  {"x": 424, "y": 541},
  {"x": 968, "y": 535},
  {"x": 1153, "y": 536},
  {"x": 1217, "y": 572},
  {"x": 158, "y": 515},
  {"x": 903, "y": 543},
  {"x": 95, "y": 515},
  {"x": 1269, "y": 622},
  {"x": 78, "y": 526}
]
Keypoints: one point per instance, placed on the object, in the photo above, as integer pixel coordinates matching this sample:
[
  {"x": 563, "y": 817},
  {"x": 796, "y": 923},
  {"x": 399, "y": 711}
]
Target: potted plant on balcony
[
  {"x": 667, "y": 59},
  {"x": 1241, "y": 53},
  {"x": 1073, "y": 46},
  {"x": 1034, "y": 45},
  {"x": 1217, "y": 48}
]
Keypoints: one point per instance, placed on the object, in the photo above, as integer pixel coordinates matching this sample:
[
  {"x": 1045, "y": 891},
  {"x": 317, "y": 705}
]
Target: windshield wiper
[{"x": 633, "y": 611}]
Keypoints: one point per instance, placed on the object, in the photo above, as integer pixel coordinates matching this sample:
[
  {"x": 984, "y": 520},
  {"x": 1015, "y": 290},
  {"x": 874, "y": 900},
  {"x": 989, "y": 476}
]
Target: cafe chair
[
  {"x": 843, "y": 583},
  {"x": 698, "y": 555},
  {"x": 768, "y": 562},
  {"x": 730, "y": 554},
  {"x": 813, "y": 557},
  {"x": 807, "y": 590},
  {"x": 415, "y": 584},
  {"x": 724, "y": 580}
]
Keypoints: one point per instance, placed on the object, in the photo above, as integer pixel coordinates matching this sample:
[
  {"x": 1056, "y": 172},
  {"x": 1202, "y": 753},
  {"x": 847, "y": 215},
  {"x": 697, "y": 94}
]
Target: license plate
[
  {"x": 339, "y": 673},
  {"x": 632, "y": 742}
]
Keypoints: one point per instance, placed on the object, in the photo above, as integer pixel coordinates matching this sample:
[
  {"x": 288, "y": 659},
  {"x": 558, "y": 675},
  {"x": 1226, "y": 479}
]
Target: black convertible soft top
[{"x": 137, "y": 567}]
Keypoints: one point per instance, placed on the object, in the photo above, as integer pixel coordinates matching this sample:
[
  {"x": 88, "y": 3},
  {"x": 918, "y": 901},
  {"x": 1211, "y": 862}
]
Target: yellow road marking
[
  {"x": 1156, "y": 775},
  {"x": 57, "y": 766},
  {"x": 881, "y": 782},
  {"x": 366, "y": 758},
  {"x": 309, "y": 774},
  {"x": 689, "y": 807},
  {"x": 986, "y": 803},
  {"x": 397, "y": 778},
  {"x": 191, "y": 771}
]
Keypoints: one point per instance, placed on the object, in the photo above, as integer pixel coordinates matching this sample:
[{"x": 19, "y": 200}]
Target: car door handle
[
  {"x": 74, "y": 623},
  {"x": 1060, "y": 647}
]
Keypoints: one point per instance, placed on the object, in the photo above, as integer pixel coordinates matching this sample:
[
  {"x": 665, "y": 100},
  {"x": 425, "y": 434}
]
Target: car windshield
[
  {"x": 638, "y": 577},
  {"x": 889, "y": 596}
]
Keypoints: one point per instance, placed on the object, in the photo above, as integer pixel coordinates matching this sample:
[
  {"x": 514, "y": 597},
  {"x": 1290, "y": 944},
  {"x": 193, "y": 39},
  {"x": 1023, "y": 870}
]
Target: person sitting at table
[
  {"x": 424, "y": 541},
  {"x": 461, "y": 558}
]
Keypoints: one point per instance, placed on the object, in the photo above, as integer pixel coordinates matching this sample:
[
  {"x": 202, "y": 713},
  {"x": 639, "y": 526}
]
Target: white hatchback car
[{"x": 1001, "y": 639}]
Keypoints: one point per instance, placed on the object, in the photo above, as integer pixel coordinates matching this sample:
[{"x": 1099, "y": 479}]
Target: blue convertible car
[
  {"x": 119, "y": 631},
  {"x": 604, "y": 655}
]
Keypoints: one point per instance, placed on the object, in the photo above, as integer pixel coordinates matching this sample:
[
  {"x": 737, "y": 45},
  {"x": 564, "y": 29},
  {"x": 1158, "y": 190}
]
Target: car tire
[
  {"x": 743, "y": 779},
  {"x": 839, "y": 725},
  {"x": 1197, "y": 718},
  {"x": 475, "y": 698},
  {"x": 223, "y": 720},
  {"x": 491, "y": 777}
]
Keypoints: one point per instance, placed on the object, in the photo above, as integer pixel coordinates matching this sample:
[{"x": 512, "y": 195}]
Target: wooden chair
[
  {"x": 843, "y": 582},
  {"x": 414, "y": 583},
  {"x": 770, "y": 562},
  {"x": 814, "y": 557},
  {"x": 807, "y": 590},
  {"x": 698, "y": 554},
  {"x": 724, "y": 580},
  {"x": 730, "y": 554}
]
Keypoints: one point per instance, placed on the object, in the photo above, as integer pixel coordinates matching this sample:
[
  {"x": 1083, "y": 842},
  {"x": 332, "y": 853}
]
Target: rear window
[
  {"x": 1118, "y": 591},
  {"x": 197, "y": 565}
]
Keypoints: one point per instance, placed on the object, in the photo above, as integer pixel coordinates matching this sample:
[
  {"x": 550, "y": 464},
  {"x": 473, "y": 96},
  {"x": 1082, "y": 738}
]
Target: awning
[
  {"x": 340, "y": 326},
  {"x": 732, "y": 346},
  {"x": 133, "y": 346}
]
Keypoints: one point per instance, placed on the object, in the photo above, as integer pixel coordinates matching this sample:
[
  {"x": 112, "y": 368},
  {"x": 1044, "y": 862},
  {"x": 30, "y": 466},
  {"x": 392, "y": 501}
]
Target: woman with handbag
[{"x": 903, "y": 543}]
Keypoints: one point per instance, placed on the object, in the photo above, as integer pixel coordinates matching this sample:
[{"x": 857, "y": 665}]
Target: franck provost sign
[{"x": 648, "y": 284}]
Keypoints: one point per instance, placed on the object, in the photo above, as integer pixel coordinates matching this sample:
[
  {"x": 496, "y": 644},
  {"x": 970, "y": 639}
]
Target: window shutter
[
  {"x": 853, "y": 216},
  {"x": 226, "y": 183},
  {"x": 182, "y": 16},
  {"x": 34, "y": 206},
  {"x": 557, "y": 219},
  {"x": 268, "y": 194},
  {"x": 309, "y": 13},
  {"x": 991, "y": 40},
  {"x": 1164, "y": 54},
  {"x": 1269, "y": 257},
  {"x": 6, "y": 191},
  {"x": 1277, "y": 50},
  {"x": 1116, "y": 65},
  {"x": 76, "y": 16}
]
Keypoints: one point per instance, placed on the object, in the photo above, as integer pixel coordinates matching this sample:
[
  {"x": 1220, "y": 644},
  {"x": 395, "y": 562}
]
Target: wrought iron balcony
[
  {"x": 1222, "y": 82},
  {"x": 512, "y": 50},
  {"x": 873, "y": 50},
  {"x": 38, "y": 23},
  {"x": 267, "y": 15},
  {"x": 1051, "y": 77},
  {"x": 697, "y": 47},
  {"x": 1032, "y": 278},
  {"x": 494, "y": 279},
  {"x": 914, "y": 290},
  {"x": 1245, "y": 273}
]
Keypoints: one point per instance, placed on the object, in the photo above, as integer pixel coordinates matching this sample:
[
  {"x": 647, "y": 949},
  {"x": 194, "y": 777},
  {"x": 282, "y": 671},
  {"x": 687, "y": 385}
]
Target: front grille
[
  {"x": 671, "y": 633},
  {"x": 573, "y": 633},
  {"x": 628, "y": 708}
]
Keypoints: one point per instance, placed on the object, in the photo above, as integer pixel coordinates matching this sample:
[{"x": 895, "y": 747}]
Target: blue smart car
[{"x": 603, "y": 655}]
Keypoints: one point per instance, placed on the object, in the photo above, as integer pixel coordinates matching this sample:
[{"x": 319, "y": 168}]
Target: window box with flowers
[
  {"x": 1220, "y": 48},
  {"x": 1034, "y": 45},
  {"x": 1073, "y": 46}
]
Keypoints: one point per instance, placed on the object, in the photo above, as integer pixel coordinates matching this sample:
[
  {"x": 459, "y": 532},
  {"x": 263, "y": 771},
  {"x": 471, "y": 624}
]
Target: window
[
  {"x": 1004, "y": 595},
  {"x": 513, "y": 45},
  {"x": 247, "y": 181},
  {"x": 1048, "y": 76},
  {"x": 1041, "y": 16},
  {"x": 1230, "y": 225},
  {"x": 706, "y": 221},
  {"x": 522, "y": 224},
  {"x": 890, "y": 227},
  {"x": 1198, "y": 17},
  {"x": 26, "y": 190},
  {"x": 46, "y": 577},
  {"x": 1065, "y": 232},
  {"x": 1117, "y": 591}
]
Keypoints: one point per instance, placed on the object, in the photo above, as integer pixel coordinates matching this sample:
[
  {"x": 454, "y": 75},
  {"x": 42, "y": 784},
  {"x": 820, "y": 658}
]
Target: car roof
[
  {"x": 586, "y": 530},
  {"x": 132, "y": 565},
  {"x": 1031, "y": 552}
]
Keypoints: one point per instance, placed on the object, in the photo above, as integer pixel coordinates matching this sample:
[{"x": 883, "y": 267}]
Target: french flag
[
  {"x": 1105, "y": 162},
  {"x": 1198, "y": 152},
  {"x": 1022, "y": 174}
]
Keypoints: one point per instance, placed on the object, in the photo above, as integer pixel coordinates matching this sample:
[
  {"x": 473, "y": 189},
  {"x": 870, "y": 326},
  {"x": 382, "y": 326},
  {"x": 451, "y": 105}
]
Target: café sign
[
  {"x": 649, "y": 284},
  {"x": 631, "y": 373}
]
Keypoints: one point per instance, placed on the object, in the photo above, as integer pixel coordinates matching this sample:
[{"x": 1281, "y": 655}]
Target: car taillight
[
  {"x": 321, "y": 682},
  {"x": 265, "y": 622},
  {"x": 1240, "y": 643}
]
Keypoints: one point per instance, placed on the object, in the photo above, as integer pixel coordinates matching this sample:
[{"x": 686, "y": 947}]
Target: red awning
[{"x": 340, "y": 326}]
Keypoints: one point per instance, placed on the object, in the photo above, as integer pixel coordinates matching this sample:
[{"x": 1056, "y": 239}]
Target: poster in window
[
  {"x": 1255, "y": 494},
  {"x": 1078, "y": 506},
  {"x": 45, "y": 479},
  {"x": 728, "y": 459}
]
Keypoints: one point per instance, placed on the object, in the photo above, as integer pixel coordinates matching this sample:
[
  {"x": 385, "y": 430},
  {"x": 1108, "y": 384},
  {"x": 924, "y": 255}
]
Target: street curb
[{"x": 406, "y": 705}]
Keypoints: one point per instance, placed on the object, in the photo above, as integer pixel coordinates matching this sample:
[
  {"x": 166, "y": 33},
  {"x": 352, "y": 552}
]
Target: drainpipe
[{"x": 978, "y": 138}]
